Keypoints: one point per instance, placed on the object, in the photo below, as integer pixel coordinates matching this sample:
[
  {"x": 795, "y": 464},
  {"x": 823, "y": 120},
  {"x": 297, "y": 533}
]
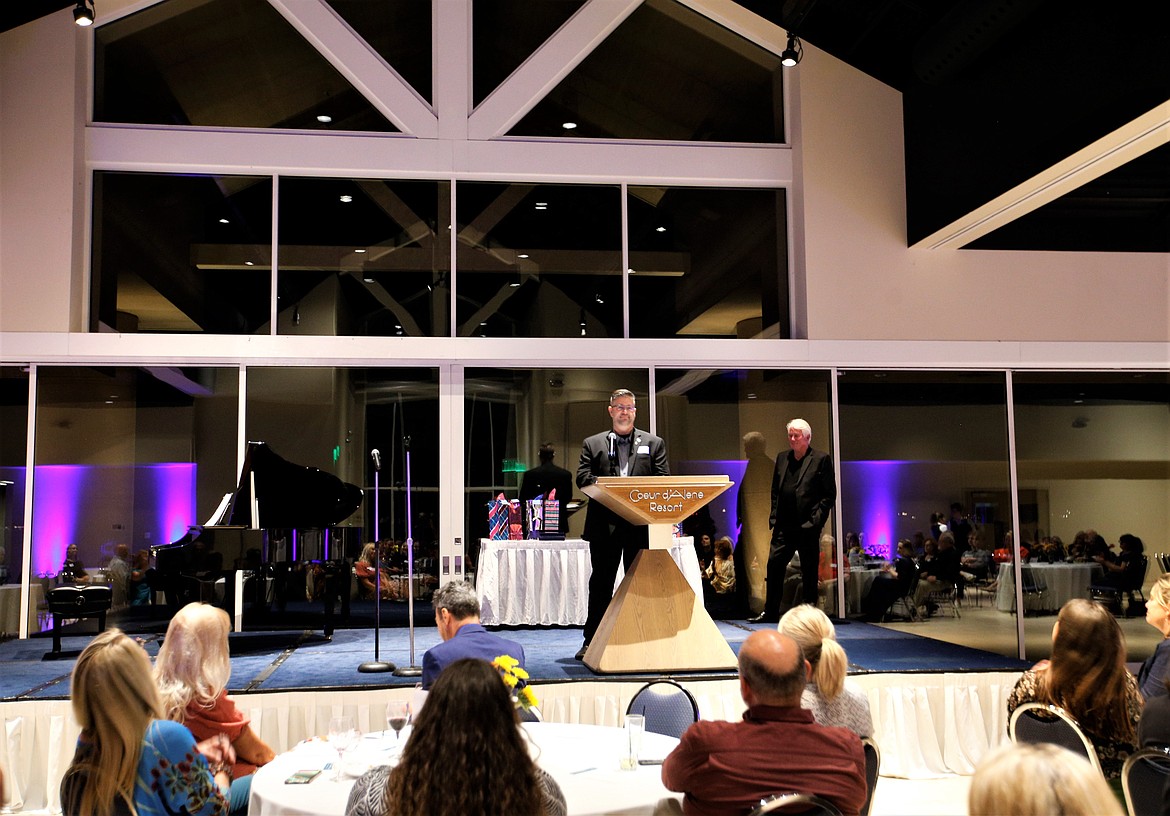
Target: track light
[
  {"x": 793, "y": 53},
  {"x": 83, "y": 13}
]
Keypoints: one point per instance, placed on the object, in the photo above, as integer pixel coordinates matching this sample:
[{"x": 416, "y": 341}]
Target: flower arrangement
[{"x": 516, "y": 679}]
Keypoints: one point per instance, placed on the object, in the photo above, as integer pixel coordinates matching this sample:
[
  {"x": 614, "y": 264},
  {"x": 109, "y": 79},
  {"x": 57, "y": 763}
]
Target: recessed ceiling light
[
  {"x": 484, "y": 323},
  {"x": 248, "y": 263},
  {"x": 359, "y": 251},
  {"x": 569, "y": 125},
  {"x": 515, "y": 284},
  {"x": 367, "y": 280},
  {"x": 522, "y": 255},
  {"x": 542, "y": 205},
  {"x": 324, "y": 118},
  {"x": 346, "y": 199},
  {"x": 660, "y": 229},
  {"x": 631, "y": 271},
  {"x": 224, "y": 221}
]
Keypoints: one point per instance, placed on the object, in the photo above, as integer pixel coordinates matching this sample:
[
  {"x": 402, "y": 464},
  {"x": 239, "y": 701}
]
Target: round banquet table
[{"x": 583, "y": 759}]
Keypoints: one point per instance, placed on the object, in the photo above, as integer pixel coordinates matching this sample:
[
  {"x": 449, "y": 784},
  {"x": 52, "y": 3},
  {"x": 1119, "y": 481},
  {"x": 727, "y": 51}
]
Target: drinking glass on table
[
  {"x": 342, "y": 736},
  {"x": 397, "y": 716},
  {"x": 635, "y": 728}
]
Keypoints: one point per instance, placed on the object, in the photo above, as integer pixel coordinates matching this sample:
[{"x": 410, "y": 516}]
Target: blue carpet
[{"x": 304, "y": 659}]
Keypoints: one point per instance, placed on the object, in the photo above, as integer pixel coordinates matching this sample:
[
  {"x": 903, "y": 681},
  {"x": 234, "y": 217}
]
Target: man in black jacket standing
[
  {"x": 804, "y": 490},
  {"x": 623, "y": 451},
  {"x": 545, "y": 477}
]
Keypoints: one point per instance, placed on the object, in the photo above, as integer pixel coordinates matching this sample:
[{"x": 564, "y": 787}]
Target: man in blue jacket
[{"x": 457, "y": 616}]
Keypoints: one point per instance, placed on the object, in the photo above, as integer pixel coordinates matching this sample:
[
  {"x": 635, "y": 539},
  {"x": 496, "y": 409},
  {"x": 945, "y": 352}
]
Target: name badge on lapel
[{"x": 644, "y": 449}]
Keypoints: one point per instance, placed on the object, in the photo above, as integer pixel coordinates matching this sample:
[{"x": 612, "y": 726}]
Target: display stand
[{"x": 655, "y": 622}]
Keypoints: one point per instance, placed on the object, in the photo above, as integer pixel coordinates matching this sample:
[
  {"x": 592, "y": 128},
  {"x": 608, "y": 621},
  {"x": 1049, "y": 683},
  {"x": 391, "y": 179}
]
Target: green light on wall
[
  {"x": 336, "y": 453},
  {"x": 512, "y": 466}
]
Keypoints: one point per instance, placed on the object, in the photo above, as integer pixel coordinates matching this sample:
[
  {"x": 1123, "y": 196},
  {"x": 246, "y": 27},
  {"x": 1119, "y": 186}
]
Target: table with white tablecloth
[
  {"x": 1060, "y": 583},
  {"x": 546, "y": 583},
  {"x": 583, "y": 759},
  {"x": 858, "y": 586}
]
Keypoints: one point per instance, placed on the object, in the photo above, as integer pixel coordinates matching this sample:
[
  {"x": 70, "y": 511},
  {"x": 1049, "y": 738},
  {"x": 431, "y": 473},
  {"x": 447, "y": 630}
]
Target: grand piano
[{"x": 281, "y": 522}]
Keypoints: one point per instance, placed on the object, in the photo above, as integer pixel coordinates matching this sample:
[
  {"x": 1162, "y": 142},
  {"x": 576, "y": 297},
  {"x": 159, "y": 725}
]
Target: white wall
[{"x": 863, "y": 283}]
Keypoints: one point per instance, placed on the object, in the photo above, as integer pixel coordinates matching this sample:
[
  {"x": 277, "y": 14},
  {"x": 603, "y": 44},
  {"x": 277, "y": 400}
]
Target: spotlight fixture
[
  {"x": 793, "y": 53},
  {"x": 83, "y": 13}
]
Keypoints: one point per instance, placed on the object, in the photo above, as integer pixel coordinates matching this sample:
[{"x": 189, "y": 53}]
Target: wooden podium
[{"x": 655, "y": 622}]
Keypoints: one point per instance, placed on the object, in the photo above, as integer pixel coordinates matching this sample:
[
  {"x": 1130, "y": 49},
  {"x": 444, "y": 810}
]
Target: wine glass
[
  {"x": 397, "y": 716},
  {"x": 342, "y": 736}
]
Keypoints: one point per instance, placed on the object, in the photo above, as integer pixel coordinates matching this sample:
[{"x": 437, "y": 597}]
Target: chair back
[
  {"x": 668, "y": 707},
  {"x": 873, "y": 762},
  {"x": 1144, "y": 779},
  {"x": 1041, "y": 722},
  {"x": 804, "y": 803},
  {"x": 529, "y": 715}
]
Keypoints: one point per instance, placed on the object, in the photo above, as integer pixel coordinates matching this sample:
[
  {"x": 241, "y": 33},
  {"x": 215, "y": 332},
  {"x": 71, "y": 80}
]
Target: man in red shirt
[{"x": 728, "y": 767}]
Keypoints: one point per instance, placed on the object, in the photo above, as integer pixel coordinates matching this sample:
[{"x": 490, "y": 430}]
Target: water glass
[
  {"x": 635, "y": 727},
  {"x": 343, "y": 735}
]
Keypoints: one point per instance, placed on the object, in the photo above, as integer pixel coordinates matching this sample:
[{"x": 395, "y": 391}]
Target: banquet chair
[
  {"x": 909, "y": 608},
  {"x": 1110, "y": 596},
  {"x": 668, "y": 707},
  {"x": 1144, "y": 778},
  {"x": 1041, "y": 722},
  {"x": 804, "y": 803},
  {"x": 873, "y": 764},
  {"x": 1035, "y": 590},
  {"x": 945, "y": 597}
]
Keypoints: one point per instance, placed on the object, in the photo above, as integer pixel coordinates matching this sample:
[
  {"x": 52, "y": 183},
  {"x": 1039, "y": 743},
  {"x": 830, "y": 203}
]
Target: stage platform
[{"x": 937, "y": 707}]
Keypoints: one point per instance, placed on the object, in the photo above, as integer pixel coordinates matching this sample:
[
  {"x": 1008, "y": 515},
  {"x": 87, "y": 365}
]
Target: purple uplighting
[
  {"x": 872, "y": 491},
  {"x": 723, "y": 507}
]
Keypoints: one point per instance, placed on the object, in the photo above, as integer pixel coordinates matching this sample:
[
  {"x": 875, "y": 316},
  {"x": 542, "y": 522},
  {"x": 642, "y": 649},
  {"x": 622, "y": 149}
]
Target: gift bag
[
  {"x": 552, "y": 514},
  {"x": 499, "y": 511},
  {"x": 515, "y": 521},
  {"x": 535, "y": 514}
]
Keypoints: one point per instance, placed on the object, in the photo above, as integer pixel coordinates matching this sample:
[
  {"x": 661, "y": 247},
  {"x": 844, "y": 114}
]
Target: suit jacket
[
  {"x": 472, "y": 640},
  {"x": 538, "y": 481},
  {"x": 816, "y": 491},
  {"x": 647, "y": 458}
]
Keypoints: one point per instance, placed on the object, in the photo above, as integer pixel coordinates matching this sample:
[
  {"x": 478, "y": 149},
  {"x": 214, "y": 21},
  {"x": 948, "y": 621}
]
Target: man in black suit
[
  {"x": 537, "y": 482},
  {"x": 623, "y": 451},
  {"x": 804, "y": 489}
]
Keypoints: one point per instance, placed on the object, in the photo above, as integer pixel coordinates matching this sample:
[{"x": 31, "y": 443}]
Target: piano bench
[{"x": 69, "y": 602}]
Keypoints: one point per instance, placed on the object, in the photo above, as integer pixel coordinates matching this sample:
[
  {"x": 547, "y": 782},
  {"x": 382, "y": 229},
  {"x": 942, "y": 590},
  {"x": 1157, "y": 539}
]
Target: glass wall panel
[
  {"x": 364, "y": 257},
  {"x": 666, "y": 73},
  {"x": 913, "y": 445},
  {"x": 181, "y": 253},
  {"x": 221, "y": 63},
  {"x": 505, "y": 33},
  {"x": 128, "y": 459},
  {"x": 13, "y": 452},
  {"x": 399, "y": 30},
  {"x": 707, "y": 262},
  {"x": 331, "y": 419},
  {"x": 538, "y": 260},
  {"x": 1093, "y": 457},
  {"x": 732, "y": 422},
  {"x": 510, "y": 413}
]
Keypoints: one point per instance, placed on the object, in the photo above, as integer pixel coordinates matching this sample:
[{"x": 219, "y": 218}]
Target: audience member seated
[
  {"x": 892, "y": 583},
  {"x": 825, "y": 694},
  {"x": 128, "y": 759},
  {"x": 727, "y": 767},
  {"x": 1128, "y": 570},
  {"x": 367, "y": 573},
  {"x": 704, "y": 551},
  {"x": 1086, "y": 676},
  {"x": 1155, "y": 670},
  {"x": 192, "y": 671},
  {"x": 939, "y": 574},
  {"x": 118, "y": 574},
  {"x": 1050, "y": 550},
  {"x": 457, "y": 616},
  {"x": 976, "y": 564},
  {"x": 719, "y": 595},
  {"x": 139, "y": 588},
  {"x": 465, "y": 755},
  {"x": 1097, "y": 547},
  {"x": 1039, "y": 779},
  {"x": 794, "y": 580},
  {"x": 72, "y": 570}
]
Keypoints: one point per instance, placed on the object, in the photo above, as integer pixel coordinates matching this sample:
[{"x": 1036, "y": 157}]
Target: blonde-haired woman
[
  {"x": 1087, "y": 677},
  {"x": 1154, "y": 673},
  {"x": 1008, "y": 783},
  {"x": 825, "y": 694},
  {"x": 128, "y": 760},
  {"x": 192, "y": 671}
]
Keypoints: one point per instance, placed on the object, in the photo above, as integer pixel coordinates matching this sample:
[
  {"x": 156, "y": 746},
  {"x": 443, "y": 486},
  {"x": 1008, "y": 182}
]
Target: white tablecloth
[
  {"x": 546, "y": 583},
  {"x": 10, "y": 607},
  {"x": 860, "y": 581},
  {"x": 1063, "y": 581},
  {"x": 583, "y": 759}
]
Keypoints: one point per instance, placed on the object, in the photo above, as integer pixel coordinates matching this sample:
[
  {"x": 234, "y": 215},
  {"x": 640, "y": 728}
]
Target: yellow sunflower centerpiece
[{"x": 516, "y": 679}]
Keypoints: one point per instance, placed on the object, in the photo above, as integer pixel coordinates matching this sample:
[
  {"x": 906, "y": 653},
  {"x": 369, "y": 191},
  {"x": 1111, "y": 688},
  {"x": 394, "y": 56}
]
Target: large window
[{"x": 13, "y": 484}]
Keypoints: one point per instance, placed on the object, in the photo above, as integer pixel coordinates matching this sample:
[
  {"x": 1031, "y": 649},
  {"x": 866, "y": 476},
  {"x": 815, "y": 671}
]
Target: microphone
[
  {"x": 612, "y": 448},
  {"x": 377, "y": 457}
]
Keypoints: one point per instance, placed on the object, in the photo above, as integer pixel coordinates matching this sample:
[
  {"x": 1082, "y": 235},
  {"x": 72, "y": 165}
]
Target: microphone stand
[
  {"x": 412, "y": 670},
  {"x": 376, "y": 665}
]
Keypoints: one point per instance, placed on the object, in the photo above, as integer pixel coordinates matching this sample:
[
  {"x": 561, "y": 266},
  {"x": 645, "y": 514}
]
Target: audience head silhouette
[
  {"x": 817, "y": 638},
  {"x": 1038, "y": 779},
  {"x": 193, "y": 662},
  {"x": 772, "y": 669}
]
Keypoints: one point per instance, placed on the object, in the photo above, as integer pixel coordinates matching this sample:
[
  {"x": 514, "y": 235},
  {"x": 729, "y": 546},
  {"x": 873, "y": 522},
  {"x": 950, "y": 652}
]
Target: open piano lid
[{"x": 287, "y": 495}]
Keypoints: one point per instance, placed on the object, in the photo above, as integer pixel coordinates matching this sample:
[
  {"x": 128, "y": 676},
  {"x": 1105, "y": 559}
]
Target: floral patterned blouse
[
  {"x": 1111, "y": 752},
  {"x": 173, "y": 777}
]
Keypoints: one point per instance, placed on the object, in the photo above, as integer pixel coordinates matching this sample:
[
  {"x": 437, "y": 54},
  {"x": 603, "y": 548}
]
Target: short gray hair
[
  {"x": 622, "y": 392},
  {"x": 458, "y": 598},
  {"x": 800, "y": 425}
]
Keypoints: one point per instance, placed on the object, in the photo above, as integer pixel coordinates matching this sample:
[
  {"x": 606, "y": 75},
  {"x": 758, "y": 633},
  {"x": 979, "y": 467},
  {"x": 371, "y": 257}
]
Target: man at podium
[{"x": 622, "y": 451}]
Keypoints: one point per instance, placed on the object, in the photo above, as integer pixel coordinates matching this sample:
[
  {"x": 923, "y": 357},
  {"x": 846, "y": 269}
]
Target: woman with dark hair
[
  {"x": 1086, "y": 676},
  {"x": 465, "y": 755}
]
